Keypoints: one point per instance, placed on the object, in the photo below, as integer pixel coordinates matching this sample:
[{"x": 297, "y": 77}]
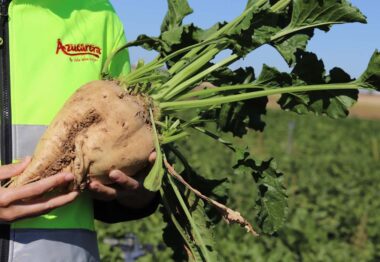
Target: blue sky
[{"x": 348, "y": 46}]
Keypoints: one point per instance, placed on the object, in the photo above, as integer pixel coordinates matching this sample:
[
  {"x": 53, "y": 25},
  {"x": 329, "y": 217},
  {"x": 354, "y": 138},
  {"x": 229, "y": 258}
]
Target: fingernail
[
  {"x": 114, "y": 175},
  {"x": 74, "y": 193},
  {"x": 69, "y": 177}
]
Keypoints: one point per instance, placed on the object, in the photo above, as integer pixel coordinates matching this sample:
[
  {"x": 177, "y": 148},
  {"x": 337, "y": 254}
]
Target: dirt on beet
[{"x": 99, "y": 128}]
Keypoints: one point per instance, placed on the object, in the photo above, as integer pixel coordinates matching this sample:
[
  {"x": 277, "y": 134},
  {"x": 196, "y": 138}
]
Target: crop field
[{"x": 332, "y": 175}]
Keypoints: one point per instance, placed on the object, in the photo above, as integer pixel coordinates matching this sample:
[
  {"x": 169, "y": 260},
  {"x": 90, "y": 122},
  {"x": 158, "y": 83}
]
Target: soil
[{"x": 368, "y": 107}]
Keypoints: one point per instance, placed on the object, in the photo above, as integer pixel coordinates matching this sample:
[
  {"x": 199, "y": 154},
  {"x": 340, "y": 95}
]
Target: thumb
[{"x": 11, "y": 170}]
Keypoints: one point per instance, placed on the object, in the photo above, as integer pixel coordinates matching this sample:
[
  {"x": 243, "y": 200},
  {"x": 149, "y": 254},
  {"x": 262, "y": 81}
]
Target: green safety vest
[{"x": 54, "y": 48}]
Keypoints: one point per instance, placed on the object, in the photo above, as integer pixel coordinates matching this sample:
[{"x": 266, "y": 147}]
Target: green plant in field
[
  {"x": 332, "y": 182},
  {"x": 236, "y": 101}
]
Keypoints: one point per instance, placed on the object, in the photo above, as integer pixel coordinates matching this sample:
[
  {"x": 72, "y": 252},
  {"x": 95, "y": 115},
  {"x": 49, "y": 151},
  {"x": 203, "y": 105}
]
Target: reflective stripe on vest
[
  {"x": 25, "y": 139},
  {"x": 31, "y": 245}
]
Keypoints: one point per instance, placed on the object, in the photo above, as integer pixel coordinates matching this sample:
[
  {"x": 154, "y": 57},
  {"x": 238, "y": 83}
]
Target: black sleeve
[{"x": 114, "y": 212}]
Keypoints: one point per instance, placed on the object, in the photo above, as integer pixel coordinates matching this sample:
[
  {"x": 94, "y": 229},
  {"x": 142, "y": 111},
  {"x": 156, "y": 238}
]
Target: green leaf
[
  {"x": 215, "y": 189},
  {"x": 188, "y": 229},
  {"x": 153, "y": 180},
  {"x": 250, "y": 3},
  {"x": 312, "y": 13},
  {"x": 178, "y": 38},
  {"x": 150, "y": 43},
  {"x": 271, "y": 199},
  {"x": 175, "y": 234},
  {"x": 308, "y": 15},
  {"x": 371, "y": 77},
  {"x": 225, "y": 76},
  {"x": 203, "y": 34},
  {"x": 333, "y": 103},
  {"x": 289, "y": 47},
  {"x": 173, "y": 37},
  {"x": 309, "y": 69},
  {"x": 256, "y": 29},
  {"x": 271, "y": 77},
  {"x": 177, "y": 11},
  {"x": 338, "y": 75},
  {"x": 239, "y": 116}
]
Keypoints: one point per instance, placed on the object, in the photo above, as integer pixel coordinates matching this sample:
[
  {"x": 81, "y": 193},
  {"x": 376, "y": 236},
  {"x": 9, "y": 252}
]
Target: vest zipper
[{"x": 6, "y": 124}]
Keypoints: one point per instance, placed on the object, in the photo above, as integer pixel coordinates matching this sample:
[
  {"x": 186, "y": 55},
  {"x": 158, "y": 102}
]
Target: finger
[
  {"x": 11, "y": 170},
  {"x": 152, "y": 157},
  {"x": 102, "y": 192},
  {"x": 34, "y": 189},
  {"x": 29, "y": 210},
  {"x": 124, "y": 181}
]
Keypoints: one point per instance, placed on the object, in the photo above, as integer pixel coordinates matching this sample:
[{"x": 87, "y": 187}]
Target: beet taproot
[{"x": 100, "y": 128}]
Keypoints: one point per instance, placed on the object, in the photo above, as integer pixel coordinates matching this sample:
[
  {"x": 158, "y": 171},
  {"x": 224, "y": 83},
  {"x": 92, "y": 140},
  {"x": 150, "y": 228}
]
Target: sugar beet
[{"x": 99, "y": 128}]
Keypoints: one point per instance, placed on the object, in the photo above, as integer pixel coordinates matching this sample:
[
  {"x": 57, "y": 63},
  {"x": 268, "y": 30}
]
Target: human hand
[
  {"x": 129, "y": 191},
  {"x": 29, "y": 200}
]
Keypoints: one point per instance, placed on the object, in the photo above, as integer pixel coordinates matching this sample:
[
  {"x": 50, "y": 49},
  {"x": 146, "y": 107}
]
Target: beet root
[{"x": 100, "y": 128}]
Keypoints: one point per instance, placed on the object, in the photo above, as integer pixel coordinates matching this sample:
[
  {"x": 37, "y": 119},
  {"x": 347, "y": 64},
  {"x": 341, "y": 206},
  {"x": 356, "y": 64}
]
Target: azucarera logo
[{"x": 78, "y": 50}]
